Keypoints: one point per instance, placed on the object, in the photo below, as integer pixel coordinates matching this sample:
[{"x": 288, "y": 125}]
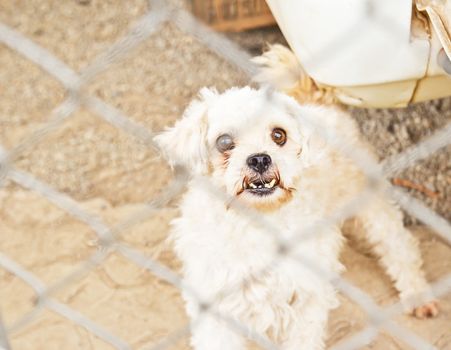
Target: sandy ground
[{"x": 112, "y": 174}]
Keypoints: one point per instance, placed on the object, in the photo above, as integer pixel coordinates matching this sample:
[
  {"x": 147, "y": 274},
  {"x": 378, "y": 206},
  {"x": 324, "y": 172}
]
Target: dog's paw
[{"x": 428, "y": 310}]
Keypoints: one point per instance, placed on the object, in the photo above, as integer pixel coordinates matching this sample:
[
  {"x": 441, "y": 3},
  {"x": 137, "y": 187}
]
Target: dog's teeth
[{"x": 264, "y": 185}]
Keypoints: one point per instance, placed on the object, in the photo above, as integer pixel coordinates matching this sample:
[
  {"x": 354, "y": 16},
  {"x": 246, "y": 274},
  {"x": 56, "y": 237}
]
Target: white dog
[{"x": 264, "y": 267}]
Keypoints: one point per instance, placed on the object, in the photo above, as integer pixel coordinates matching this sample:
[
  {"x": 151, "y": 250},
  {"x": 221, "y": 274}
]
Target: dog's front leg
[
  {"x": 400, "y": 255},
  {"x": 209, "y": 333},
  {"x": 308, "y": 331}
]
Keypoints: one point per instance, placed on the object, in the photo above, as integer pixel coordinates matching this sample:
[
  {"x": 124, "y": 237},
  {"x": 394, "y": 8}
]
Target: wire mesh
[{"x": 109, "y": 238}]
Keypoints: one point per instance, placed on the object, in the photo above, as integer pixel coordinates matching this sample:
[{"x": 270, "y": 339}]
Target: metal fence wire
[{"x": 109, "y": 238}]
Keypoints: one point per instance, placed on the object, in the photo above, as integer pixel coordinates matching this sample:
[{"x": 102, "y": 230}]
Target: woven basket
[{"x": 233, "y": 15}]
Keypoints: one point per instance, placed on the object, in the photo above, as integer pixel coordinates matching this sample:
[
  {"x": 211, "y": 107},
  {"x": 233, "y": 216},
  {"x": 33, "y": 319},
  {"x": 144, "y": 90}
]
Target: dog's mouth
[{"x": 261, "y": 187}]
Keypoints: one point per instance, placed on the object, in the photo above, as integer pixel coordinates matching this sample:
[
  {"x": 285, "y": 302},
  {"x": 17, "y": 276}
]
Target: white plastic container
[{"x": 380, "y": 53}]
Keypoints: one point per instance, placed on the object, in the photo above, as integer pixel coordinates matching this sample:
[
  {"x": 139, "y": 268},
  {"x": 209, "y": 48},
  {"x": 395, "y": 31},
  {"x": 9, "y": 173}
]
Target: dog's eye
[
  {"x": 279, "y": 136},
  {"x": 224, "y": 143}
]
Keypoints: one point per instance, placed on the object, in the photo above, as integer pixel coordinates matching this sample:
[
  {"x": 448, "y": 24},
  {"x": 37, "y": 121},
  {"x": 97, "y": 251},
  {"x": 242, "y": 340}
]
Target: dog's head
[{"x": 249, "y": 142}]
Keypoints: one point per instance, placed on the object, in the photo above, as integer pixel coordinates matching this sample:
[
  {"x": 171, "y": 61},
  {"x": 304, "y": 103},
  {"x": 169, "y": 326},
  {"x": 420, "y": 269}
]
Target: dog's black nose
[{"x": 259, "y": 162}]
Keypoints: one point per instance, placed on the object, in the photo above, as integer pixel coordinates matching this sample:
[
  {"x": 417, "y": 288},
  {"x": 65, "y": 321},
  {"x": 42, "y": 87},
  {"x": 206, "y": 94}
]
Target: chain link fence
[{"x": 109, "y": 237}]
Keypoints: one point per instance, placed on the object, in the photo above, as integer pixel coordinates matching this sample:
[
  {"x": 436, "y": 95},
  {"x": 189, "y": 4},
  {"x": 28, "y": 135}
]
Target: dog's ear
[
  {"x": 323, "y": 128},
  {"x": 185, "y": 143}
]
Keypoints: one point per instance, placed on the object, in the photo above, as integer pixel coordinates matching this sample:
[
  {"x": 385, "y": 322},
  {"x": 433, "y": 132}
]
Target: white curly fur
[{"x": 220, "y": 247}]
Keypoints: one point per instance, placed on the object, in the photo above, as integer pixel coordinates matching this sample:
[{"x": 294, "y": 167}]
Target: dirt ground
[{"x": 112, "y": 174}]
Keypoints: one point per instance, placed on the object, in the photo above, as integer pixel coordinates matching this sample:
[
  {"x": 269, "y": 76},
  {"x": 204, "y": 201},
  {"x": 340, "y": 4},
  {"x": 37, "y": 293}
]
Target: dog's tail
[
  {"x": 281, "y": 69},
  {"x": 278, "y": 67}
]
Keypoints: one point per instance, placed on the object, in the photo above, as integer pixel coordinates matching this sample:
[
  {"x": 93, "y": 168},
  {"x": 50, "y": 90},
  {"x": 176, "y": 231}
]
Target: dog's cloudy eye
[
  {"x": 224, "y": 143},
  {"x": 279, "y": 136}
]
